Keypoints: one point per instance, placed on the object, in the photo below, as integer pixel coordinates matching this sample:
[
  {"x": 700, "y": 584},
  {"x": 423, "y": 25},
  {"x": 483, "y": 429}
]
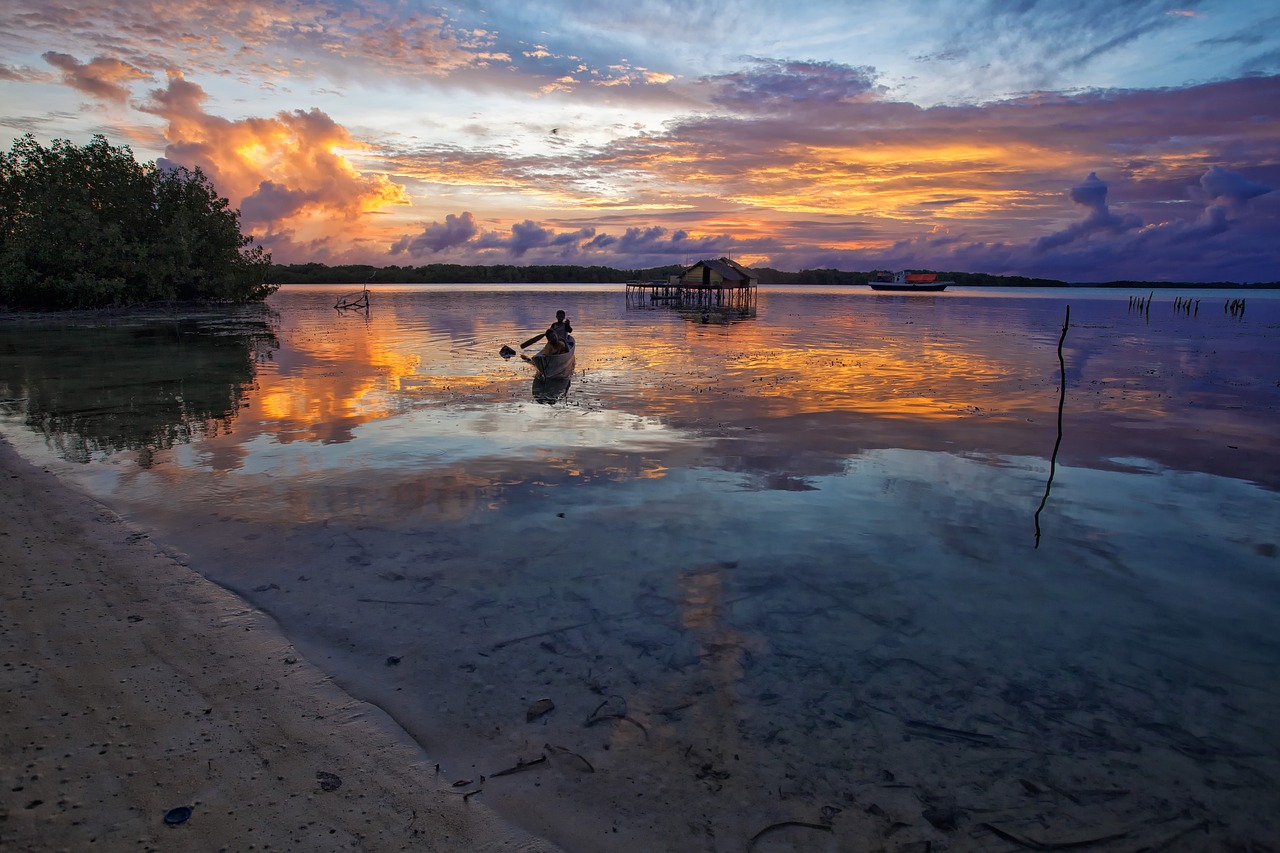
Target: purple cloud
[
  {"x": 1092, "y": 195},
  {"x": 438, "y": 236},
  {"x": 1225, "y": 242},
  {"x": 657, "y": 248},
  {"x": 1229, "y": 187},
  {"x": 272, "y": 202},
  {"x": 770, "y": 85},
  {"x": 529, "y": 236}
]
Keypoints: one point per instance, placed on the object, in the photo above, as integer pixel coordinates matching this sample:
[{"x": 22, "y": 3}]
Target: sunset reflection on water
[
  {"x": 820, "y": 375},
  {"x": 792, "y": 556}
]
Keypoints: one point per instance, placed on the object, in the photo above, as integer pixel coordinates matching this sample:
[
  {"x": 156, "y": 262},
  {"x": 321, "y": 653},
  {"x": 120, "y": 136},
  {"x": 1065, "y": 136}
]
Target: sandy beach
[{"x": 133, "y": 686}]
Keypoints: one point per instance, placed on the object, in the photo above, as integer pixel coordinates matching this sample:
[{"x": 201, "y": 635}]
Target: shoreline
[{"x": 133, "y": 685}]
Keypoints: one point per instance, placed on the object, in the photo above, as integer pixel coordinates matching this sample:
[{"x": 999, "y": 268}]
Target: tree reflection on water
[
  {"x": 788, "y": 562},
  {"x": 143, "y": 384}
]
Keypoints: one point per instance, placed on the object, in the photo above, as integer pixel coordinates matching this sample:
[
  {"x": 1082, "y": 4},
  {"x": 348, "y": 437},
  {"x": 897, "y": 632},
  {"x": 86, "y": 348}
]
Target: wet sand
[{"x": 131, "y": 686}]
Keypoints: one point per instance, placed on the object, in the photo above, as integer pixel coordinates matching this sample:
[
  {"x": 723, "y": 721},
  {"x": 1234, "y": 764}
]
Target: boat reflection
[{"x": 552, "y": 390}]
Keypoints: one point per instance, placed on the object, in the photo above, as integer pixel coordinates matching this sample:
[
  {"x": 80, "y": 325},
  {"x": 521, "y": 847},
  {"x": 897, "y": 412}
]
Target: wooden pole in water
[{"x": 1062, "y": 399}]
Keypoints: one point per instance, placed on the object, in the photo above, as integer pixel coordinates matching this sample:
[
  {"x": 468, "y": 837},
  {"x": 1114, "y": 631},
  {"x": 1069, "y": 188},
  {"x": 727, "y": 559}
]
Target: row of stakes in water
[{"x": 1186, "y": 305}]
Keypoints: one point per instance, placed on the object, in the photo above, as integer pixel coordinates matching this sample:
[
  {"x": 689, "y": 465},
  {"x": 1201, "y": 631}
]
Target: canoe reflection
[{"x": 551, "y": 390}]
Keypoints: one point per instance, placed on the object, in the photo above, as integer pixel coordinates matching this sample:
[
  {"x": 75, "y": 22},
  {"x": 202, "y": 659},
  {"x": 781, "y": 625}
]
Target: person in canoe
[
  {"x": 561, "y": 324},
  {"x": 555, "y": 345},
  {"x": 557, "y": 335}
]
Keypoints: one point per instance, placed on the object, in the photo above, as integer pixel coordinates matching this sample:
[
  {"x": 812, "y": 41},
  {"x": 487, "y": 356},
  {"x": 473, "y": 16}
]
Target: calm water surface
[{"x": 795, "y": 581}]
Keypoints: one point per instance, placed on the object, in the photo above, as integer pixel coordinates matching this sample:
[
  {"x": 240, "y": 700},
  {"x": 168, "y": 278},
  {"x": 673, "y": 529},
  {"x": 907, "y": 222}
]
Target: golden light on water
[{"x": 416, "y": 389}]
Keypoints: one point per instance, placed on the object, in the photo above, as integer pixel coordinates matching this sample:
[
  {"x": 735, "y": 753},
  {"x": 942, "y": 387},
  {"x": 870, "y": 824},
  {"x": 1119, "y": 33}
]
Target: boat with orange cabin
[{"x": 926, "y": 282}]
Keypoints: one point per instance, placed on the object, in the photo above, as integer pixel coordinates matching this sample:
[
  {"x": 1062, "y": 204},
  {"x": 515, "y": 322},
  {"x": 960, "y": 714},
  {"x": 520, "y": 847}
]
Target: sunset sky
[{"x": 1086, "y": 141}]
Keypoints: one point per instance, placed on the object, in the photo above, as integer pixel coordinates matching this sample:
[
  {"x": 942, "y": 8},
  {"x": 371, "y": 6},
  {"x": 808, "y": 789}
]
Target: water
[{"x": 777, "y": 574}]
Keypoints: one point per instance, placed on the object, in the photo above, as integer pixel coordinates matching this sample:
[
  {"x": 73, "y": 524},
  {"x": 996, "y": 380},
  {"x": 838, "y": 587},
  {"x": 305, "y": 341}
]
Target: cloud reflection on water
[
  {"x": 798, "y": 550},
  {"x": 818, "y": 378}
]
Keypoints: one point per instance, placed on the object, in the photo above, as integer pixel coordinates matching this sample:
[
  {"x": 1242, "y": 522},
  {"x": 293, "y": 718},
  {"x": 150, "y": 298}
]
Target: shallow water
[{"x": 802, "y": 574}]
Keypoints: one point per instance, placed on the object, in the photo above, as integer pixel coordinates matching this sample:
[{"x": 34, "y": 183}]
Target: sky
[{"x": 1094, "y": 140}]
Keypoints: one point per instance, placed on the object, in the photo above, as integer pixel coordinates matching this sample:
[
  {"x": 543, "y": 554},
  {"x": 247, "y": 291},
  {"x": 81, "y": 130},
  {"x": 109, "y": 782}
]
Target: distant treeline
[
  {"x": 570, "y": 274},
  {"x": 460, "y": 274},
  {"x": 832, "y": 276}
]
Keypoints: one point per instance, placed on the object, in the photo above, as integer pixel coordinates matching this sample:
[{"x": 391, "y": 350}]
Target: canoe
[{"x": 554, "y": 366}]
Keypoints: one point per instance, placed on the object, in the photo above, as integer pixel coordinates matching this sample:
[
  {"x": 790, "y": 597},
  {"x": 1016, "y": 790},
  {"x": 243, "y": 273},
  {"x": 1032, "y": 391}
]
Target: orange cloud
[
  {"x": 101, "y": 77},
  {"x": 292, "y": 166}
]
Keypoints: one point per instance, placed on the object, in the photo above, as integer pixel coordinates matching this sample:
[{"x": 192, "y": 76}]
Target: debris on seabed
[{"x": 538, "y": 709}]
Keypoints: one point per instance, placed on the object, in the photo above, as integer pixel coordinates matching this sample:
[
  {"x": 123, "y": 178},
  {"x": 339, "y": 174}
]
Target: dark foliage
[
  {"x": 315, "y": 273},
  {"x": 91, "y": 227},
  {"x": 569, "y": 274}
]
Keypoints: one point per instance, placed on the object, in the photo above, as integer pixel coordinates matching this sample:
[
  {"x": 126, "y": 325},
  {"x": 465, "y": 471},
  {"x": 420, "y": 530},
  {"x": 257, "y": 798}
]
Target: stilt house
[{"x": 718, "y": 273}]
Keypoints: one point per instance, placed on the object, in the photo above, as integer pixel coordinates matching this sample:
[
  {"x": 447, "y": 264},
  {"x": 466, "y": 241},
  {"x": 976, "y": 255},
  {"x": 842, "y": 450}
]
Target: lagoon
[{"x": 812, "y": 579}]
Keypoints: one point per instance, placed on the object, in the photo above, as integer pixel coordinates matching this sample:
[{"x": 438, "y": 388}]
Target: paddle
[{"x": 507, "y": 352}]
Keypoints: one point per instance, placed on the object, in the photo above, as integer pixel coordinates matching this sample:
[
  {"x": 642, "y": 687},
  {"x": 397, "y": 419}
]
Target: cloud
[
  {"x": 654, "y": 242},
  {"x": 529, "y": 235},
  {"x": 274, "y": 169},
  {"x": 534, "y": 242},
  {"x": 850, "y": 180},
  {"x": 772, "y": 86},
  {"x": 22, "y": 74},
  {"x": 669, "y": 149},
  {"x": 102, "y": 77},
  {"x": 438, "y": 236},
  {"x": 1231, "y": 188},
  {"x": 1212, "y": 246},
  {"x": 1002, "y": 47},
  {"x": 278, "y": 43},
  {"x": 273, "y": 202},
  {"x": 264, "y": 38},
  {"x": 1092, "y": 195}
]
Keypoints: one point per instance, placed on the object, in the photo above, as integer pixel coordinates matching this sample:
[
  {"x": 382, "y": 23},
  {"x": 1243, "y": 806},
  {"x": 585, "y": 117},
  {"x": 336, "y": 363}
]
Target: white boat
[{"x": 554, "y": 366}]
